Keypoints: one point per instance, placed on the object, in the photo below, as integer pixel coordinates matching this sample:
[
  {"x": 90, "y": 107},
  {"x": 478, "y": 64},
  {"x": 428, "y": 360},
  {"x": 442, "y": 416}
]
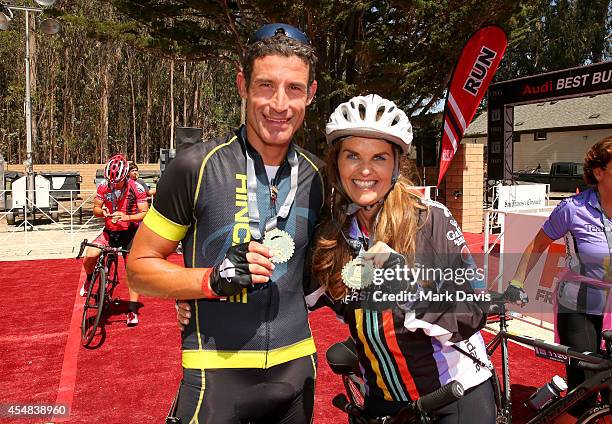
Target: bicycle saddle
[
  {"x": 342, "y": 357},
  {"x": 262, "y": 399}
]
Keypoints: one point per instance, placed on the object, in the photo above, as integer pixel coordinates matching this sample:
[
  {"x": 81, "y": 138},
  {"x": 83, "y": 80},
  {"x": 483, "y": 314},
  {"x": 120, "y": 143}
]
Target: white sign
[{"x": 526, "y": 196}]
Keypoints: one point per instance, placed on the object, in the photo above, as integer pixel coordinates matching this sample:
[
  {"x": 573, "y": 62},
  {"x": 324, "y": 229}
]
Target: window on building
[
  {"x": 539, "y": 135},
  {"x": 516, "y": 137}
]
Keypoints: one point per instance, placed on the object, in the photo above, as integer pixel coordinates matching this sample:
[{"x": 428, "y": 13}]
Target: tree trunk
[
  {"x": 67, "y": 106},
  {"x": 148, "y": 115},
  {"x": 103, "y": 152},
  {"x": 172, "y": 104},
  {"x": 134, "y": 156},
  {"x": 185, "y": 93},
  {"x": 52, "y": 115},
  {"x": 195, "y": 111}
]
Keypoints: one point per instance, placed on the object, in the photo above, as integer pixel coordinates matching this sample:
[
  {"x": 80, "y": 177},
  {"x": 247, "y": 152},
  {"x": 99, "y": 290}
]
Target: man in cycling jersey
[
  {"x": 122, "y": 202},
  {"x": 244, "y": 208},
  {"x": 134, "y": 174}
]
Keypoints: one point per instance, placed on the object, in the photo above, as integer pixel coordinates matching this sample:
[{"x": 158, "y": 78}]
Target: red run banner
[{"x": 473, "y": 72}]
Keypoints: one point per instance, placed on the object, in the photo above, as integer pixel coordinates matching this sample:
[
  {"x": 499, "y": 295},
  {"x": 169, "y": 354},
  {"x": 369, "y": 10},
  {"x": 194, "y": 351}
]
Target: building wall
[
  {"x": 567, "y": 146},
  {"x": 463, "y": 189},
  {"x": 560, "y": 146}
]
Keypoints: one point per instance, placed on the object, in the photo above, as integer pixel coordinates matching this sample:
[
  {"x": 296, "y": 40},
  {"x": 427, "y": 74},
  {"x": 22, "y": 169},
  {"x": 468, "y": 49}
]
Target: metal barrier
[{"x": 31, "y": 229}]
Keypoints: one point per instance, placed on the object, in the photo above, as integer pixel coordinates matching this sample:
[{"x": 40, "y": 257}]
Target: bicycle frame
[{"x": 555, "y": 352}]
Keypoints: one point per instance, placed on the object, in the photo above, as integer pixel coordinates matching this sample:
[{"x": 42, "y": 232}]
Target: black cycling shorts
[
  {"x": 121, "y": 239},
  {"x": 281, "y": 394}
]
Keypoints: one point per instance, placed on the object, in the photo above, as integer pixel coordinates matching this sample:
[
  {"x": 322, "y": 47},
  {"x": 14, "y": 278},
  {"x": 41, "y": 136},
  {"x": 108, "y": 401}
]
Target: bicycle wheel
[
  {"x": 112, "y": 276},
  {"x": 92, "y": 310},
  {"x": 597, "y": 415}
]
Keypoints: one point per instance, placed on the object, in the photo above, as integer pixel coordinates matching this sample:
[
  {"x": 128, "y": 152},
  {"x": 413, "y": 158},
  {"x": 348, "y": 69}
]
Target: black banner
[
  {"x": 575, "y": 82},
  {"x": 568, "y": 83}
]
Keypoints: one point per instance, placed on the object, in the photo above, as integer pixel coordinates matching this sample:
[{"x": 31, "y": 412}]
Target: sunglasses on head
[{"x": 270, "y": 30}]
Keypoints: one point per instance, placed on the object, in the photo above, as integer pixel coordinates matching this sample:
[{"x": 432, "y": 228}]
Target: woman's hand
[
  {"x": 378, "y": 254},
  {"x": 182, "y": 314}
]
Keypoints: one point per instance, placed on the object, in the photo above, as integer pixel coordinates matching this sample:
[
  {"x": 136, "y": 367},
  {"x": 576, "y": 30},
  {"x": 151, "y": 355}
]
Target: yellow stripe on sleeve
[{"x": 164, "y": 227}]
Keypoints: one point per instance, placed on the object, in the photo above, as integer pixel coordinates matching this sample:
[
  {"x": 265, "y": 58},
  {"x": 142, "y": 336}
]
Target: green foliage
[
  {"x": 552, "y": 35},
  {"x": 401, "y": 49}
]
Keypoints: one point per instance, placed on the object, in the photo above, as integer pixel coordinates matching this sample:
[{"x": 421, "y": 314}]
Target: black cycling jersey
[{"x": 201, "y": 200}]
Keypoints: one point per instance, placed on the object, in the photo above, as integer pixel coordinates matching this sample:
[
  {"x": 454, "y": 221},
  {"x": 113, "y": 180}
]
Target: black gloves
[
  {"x": 232, "y": 275},
  {"x": 516, "y": 294}
]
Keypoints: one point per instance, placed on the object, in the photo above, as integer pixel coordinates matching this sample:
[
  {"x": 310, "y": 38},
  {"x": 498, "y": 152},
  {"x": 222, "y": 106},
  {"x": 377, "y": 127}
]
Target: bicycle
[
  {"x": 99, "y": 295},
  {"x": 342, "y": 360},
  {"x": 601, "y": 381}
]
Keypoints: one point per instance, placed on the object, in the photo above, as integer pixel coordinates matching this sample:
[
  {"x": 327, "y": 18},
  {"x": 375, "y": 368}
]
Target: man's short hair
[
  {"x": 132, "y": 166},
  {"x": 279, "y": 45}
]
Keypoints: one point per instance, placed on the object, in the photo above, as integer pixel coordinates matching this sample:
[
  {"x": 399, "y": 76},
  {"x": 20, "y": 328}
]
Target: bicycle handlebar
[
  {"x": 341, "y": 402},
  {"x": 104, "y": 249},
  {"x": 441, "y": 397},
  {"x": 595, "y": 367},
  {"x": 425, "y": 404}
]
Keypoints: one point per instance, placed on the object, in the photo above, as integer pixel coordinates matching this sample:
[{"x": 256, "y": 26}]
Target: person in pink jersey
[{"x": 122, "y": 202}]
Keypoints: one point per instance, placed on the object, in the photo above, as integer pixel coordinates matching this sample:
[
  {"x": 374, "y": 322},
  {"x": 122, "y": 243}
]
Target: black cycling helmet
[{"x": 270, "y": 30}]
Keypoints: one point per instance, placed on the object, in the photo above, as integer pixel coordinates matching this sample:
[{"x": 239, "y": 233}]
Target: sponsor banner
[
  {"x": 527, "y": 196},
  {"x": 519, "y": 231},
  {"x": 473, "y": 72},
  {"x": 574, "y": 82}
]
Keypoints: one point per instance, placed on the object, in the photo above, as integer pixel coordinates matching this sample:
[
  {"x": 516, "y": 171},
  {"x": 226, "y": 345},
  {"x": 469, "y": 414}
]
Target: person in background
[
  {"x": 135, "y": 175},
  {"x": 582, "y": 293},
  {"x": 122, "y": 203}
]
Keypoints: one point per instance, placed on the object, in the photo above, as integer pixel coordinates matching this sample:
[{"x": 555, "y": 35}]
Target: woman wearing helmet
[
  {"x": 122, "y": 202},
  {"x": 409, "y": 343}
]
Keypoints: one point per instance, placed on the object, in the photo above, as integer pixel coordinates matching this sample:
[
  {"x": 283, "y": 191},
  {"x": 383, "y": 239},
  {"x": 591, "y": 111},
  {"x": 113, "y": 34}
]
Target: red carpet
[{"x": 133, "y": 375}]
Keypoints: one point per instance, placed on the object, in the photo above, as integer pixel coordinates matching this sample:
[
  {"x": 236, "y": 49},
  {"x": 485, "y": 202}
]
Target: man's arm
[
  {"x": 99, "y": 210},
  {"x": 143, "y": 208},
  {"x": 149, "y": 272}
]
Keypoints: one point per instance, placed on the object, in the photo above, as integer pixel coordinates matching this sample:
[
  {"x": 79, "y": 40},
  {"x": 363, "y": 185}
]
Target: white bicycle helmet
[{"x": 370, "y": 116}]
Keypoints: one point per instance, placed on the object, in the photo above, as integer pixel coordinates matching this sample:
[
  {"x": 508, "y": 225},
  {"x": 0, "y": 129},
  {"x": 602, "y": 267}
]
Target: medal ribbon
[
  {"x": 283, "y": 212},
  {"x": 115, "y": 199}
]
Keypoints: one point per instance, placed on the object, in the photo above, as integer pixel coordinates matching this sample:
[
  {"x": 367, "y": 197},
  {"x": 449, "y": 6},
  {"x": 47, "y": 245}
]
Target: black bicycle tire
[
  {"x": 112, "y": 275},
  {"x": 88, "y": 332},
  {"x": 594, "y": 413}
]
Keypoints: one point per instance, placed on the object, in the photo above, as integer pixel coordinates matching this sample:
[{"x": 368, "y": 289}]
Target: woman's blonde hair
[{"x": 396, "y": 225}]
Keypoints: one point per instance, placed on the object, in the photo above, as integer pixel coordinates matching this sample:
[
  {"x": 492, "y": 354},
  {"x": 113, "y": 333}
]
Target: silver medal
[
  {"x": 280, "y": 244},
  {"x": 358, "y": 273}
]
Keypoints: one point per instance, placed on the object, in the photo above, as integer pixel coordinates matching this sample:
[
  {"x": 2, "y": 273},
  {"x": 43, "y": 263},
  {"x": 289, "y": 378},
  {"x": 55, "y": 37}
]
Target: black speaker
[
  {"x": 165, "y": 156},
  {"x": 426, "y": 146},
  {"x": 186, "y": 136}
]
